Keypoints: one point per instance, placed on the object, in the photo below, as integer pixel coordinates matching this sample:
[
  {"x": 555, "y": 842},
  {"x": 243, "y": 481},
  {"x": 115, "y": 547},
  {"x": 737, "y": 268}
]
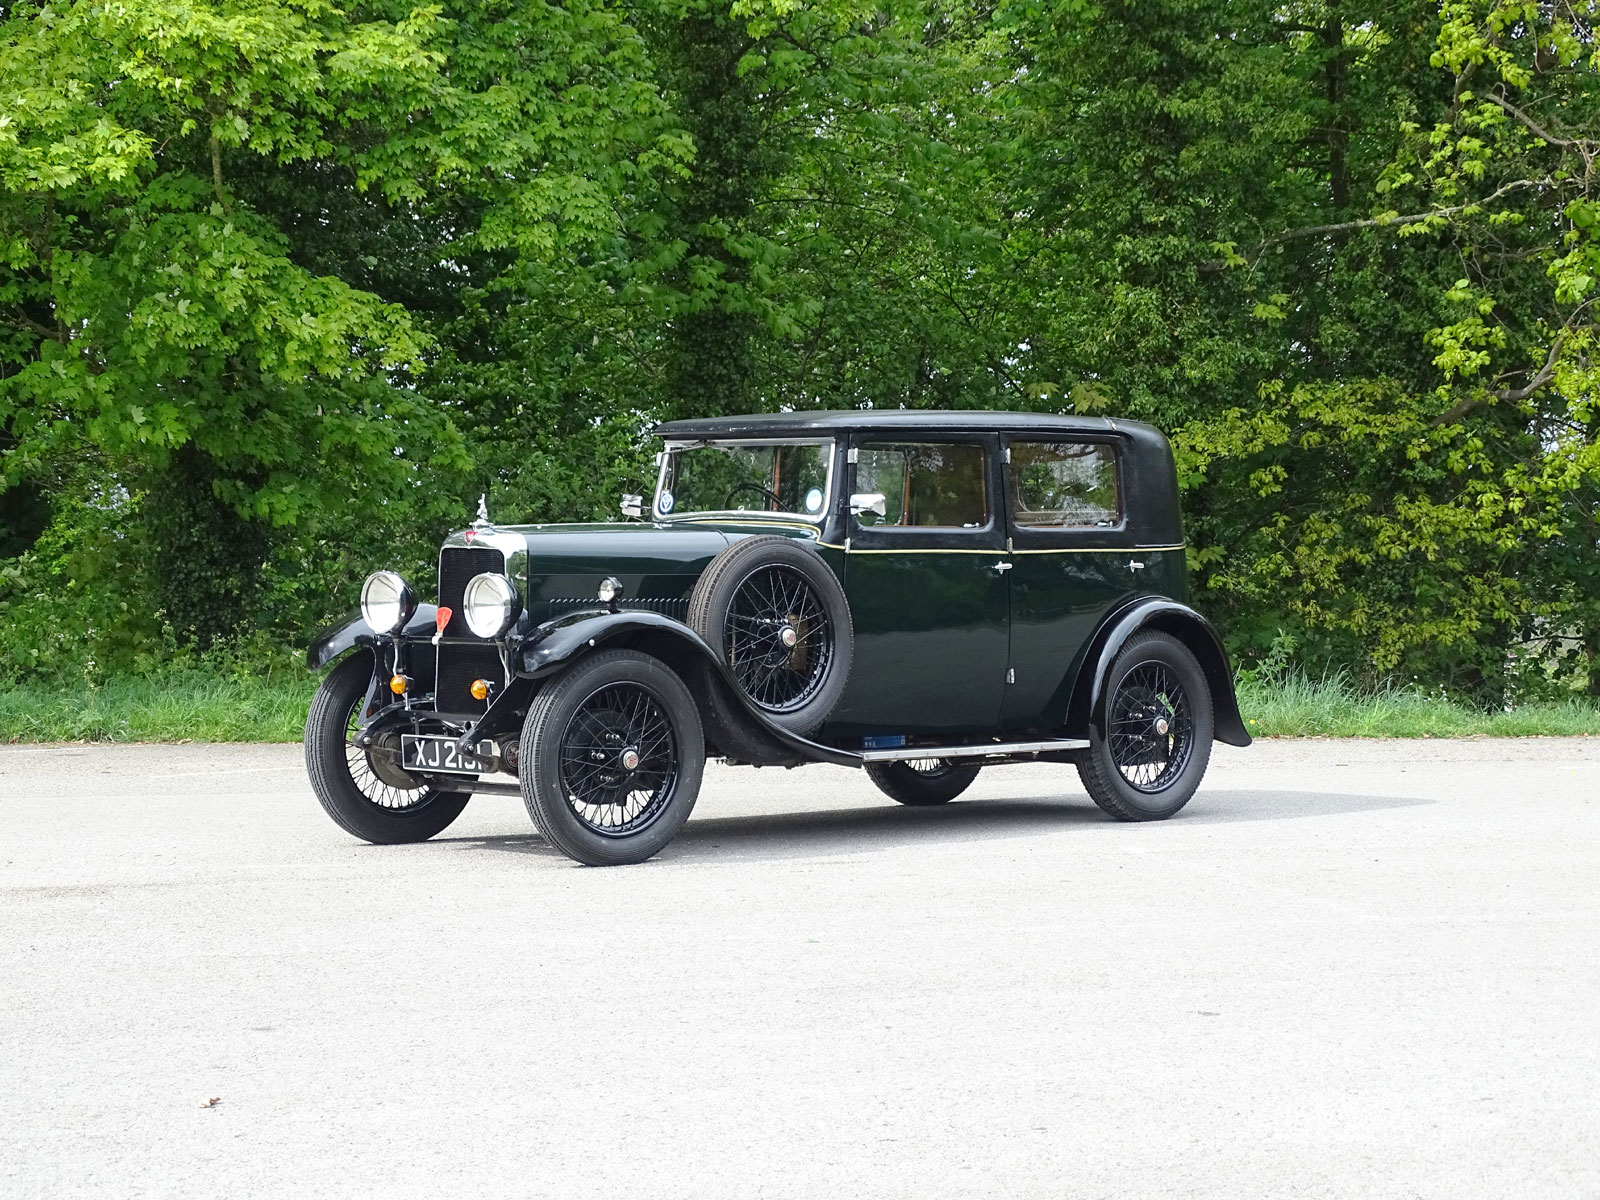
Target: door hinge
[
  {"x": 1011, "y": 674},
  {"x": 851, "y": 454},
  {"x": 1008, "y": 453},
  {"x": 847, "y": 545}
]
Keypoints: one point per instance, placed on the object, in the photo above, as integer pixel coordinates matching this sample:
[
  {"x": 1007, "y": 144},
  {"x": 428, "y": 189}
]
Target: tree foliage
[{"x": 284, "y": 285}]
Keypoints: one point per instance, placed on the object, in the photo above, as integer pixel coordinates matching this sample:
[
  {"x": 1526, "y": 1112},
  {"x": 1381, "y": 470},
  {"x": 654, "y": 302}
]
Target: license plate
[{"x": 419, "y": 752}]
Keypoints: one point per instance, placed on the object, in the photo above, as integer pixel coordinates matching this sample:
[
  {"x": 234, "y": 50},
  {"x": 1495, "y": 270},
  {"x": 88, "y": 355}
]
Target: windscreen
[{"x": 753, "y": 477}]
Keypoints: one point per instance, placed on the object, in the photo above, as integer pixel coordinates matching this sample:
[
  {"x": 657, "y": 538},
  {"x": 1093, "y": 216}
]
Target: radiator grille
[
  {"x": 459, "y": 664},
  {"x": 457, "y": 566}
]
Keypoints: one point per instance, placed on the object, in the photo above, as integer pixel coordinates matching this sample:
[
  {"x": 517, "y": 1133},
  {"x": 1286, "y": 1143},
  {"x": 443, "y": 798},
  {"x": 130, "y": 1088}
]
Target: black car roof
[
  {"x": 791, "y": 424},
  {"x": 1148, "y": 474}
]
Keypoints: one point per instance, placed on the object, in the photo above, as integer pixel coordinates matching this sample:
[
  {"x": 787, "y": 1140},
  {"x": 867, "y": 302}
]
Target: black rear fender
[{"x": 1087, "y": 707}]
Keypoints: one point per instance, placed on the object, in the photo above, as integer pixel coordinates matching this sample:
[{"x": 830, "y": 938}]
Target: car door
[
  {"x": 926, "y": 582},
  {"x": 1067, "y": 524}
]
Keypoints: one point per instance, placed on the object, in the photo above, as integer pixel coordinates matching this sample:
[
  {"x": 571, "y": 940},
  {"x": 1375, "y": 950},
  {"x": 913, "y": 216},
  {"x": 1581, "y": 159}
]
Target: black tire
[
  {"x": 759, "y": 591},
  {"x": 345, "y": 781},
  {"x": 1159, "y": 726},
  {"x": 922, "y": 782},
  {"x": 581, "y": 792}
]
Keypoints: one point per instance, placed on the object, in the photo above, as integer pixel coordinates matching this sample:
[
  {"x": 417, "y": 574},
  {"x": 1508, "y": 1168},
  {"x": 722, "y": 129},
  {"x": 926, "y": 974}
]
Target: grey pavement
[{"x": 1346, "y": 969}]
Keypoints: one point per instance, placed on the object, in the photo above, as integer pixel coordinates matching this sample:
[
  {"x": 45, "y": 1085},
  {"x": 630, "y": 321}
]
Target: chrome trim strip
[
  {"x": 902, "y": 753},
  {"x": 487, "y": 537},
  {"x": 738, "y": 516},
  {"x": 908, "y": 549},
  {"x": 1093, "y": 549},
  {"x": 991, "y": 550}
]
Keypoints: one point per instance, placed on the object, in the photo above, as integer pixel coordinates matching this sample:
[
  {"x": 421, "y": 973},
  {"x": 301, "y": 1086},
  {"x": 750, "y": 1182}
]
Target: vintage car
[{"x": 920, "y": 594}]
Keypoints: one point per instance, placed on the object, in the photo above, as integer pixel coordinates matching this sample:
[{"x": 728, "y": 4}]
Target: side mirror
[
  {"x": 633, "y": 506},
  {"x": 875, "y": 502}
]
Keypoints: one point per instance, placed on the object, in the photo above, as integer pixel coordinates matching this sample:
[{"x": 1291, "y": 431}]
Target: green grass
[
  {"x": 195, "y": 706},
  {"x": 173, "y": 707},
  {"x": 1295, "y": 706}
]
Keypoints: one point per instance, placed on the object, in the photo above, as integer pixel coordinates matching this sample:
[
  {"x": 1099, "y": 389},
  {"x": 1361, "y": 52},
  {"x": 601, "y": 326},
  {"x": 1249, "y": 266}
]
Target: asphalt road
[{"x": 1346, "y": 969}]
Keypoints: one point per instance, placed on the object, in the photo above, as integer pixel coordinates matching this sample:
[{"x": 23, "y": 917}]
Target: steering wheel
[{"x": 751, "y": 486}]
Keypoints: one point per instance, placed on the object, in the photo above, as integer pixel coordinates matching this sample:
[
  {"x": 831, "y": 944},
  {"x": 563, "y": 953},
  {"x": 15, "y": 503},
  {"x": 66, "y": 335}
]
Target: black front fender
[
  {"x": 1180, "y": 621},
  {"x": 332, "y": 642},
  {"x": 553, "y": 647}
]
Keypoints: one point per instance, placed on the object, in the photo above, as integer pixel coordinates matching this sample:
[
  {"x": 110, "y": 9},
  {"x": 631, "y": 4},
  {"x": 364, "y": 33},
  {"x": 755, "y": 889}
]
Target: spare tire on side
[{"x": 775, "y": 613}]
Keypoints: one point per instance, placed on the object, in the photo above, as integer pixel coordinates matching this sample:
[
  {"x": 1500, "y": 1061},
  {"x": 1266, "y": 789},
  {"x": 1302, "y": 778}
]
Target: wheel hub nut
[
  {"x": 788, "y": 637},
  {"x": 630, "y": 759},
  {"x": 1162, "y": 726}
]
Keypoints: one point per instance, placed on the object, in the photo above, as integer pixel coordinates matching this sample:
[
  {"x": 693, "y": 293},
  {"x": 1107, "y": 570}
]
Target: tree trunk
[{"x": 206, "y": 559}]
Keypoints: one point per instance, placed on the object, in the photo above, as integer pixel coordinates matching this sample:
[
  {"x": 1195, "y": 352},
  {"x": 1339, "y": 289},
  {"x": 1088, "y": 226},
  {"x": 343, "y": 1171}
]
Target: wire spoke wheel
[
  {"x": 776, "y": 615},
  {"x": 364, "y": 789},
  {"x": 1150, "y": 727},
  {"x": 778, "y": 638},
  {"x": 612, "y": 752},
  {"x": 618, "y": 760},
  {"x": 376, "y": 773}
]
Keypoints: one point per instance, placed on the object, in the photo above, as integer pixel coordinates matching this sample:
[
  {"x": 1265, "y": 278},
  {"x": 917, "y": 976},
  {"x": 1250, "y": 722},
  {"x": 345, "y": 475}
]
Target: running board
[{"x": 991, "y": 750}]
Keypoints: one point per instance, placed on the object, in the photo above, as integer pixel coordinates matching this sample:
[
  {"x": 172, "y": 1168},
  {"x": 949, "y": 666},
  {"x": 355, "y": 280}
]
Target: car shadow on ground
[{"x": 877, "y": 827}]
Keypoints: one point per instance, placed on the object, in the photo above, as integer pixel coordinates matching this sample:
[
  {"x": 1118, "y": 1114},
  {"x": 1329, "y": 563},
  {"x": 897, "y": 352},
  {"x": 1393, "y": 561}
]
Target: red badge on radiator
[{"x": 443, "y": 618}]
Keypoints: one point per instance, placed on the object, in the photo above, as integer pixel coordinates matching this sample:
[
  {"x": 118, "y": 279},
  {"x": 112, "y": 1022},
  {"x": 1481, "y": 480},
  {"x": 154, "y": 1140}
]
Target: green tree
[
  {"x": 184, "y": 289},
  {"x": 1352, "y": 286}
]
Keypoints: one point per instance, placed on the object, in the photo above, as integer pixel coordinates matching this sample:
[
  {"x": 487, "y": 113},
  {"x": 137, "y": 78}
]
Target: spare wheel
[{"x": 775, "y": 613}]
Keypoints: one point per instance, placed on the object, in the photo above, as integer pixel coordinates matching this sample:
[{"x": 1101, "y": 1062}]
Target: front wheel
[
  {"x": 922, "y": 782},
  {"x": 364, "y": 791},
  {"x": 612, "y": 753},
  {"x": 1158, "y": 730}
]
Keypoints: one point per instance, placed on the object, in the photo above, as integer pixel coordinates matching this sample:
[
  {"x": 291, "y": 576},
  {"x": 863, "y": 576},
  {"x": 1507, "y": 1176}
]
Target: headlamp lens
[
  {"x": 490, "y": 604},
  {"x": 387, "y": 602}
]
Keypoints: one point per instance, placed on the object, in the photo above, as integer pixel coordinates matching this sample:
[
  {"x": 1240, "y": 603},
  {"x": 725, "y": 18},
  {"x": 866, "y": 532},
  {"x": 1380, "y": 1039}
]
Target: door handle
[
  {"x": 1135, "y": 565},
  {"x": 999, "y": 568}
]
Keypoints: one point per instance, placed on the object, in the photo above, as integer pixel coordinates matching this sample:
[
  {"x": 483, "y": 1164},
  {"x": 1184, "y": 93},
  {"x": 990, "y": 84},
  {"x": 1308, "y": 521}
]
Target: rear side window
[
  {"x": 925, "y": 484},
  {"x": 1064, "y": 485}
]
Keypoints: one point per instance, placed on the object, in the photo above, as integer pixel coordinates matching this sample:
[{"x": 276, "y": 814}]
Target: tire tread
[{"x": 905, "y": 786}]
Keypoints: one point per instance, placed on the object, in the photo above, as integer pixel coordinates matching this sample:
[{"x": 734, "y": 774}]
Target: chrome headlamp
[
  {"x": 387, "y": 602},
  {"x": 490, "y": 604}
]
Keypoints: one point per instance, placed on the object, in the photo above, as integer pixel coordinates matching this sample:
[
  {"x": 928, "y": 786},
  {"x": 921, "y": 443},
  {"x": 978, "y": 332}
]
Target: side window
[
  {"x": 924, "y": 484},
  {"x": 1064, "y": 485}
]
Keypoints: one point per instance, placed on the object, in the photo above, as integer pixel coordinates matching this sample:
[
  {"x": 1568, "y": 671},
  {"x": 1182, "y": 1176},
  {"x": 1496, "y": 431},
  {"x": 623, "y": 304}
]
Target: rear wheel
[
  {"x": 922, "y": 782},
  {"x": 612, "y": 753},
  {"x": 365, "y": 791},
  {"x": 1158, "y": 731}
]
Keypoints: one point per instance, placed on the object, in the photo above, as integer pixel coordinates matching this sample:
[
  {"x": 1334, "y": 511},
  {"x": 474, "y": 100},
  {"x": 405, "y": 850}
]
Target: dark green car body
[{"x": 997, "y": 631}]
